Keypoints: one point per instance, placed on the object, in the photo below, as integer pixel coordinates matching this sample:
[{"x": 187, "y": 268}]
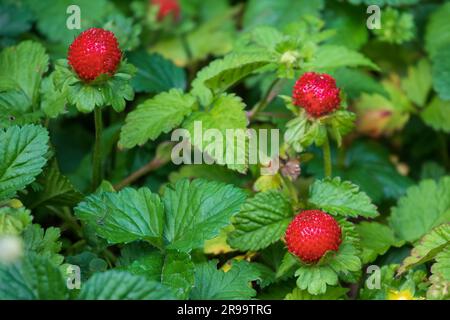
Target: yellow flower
[{"x": 400, "y": 295}]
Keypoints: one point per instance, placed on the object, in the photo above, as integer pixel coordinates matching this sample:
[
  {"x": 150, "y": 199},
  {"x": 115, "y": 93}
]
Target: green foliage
[
  {"x": 423, "y": 207},
  {"x": 22, "y": 157},
  {"x": 106, "y": 91},
  {"x": 376, "y": 239},
  {"x": 341, "y": 198},
  {"x": 124, "y": 216},
  {"x": 122, "y": 285},
  {"x": 141, "y": 218},
  {"x": 155, "y": 116},
  {"x": 155, "y": 74},
  {"x": 34, "y": 277},
  {"x": 261, "y": 221},
  {"x": 233, "y": 284}
]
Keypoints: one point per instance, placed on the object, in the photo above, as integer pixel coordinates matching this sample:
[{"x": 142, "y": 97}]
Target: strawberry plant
[{"x": 202, "y": 150}]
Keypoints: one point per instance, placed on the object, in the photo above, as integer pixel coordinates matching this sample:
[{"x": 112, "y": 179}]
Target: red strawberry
[
  {"x": 94, "y": 52},
  {"x": 317, "y": 93},
  {"x": 167, "y": 7},
  {"x": 311, "y": 234}
]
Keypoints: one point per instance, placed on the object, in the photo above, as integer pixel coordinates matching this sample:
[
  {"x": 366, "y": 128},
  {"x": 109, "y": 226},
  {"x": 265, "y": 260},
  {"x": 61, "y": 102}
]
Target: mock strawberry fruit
[
  {"x": 311, "y": 234},
  {"x": 167, "y": 7},
  {"x": 316, "y": 93},
  {"x": 94, "y": 52}
]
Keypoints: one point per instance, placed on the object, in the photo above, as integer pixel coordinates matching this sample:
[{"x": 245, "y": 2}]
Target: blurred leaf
[
  {"x": 354, "y": 82},
  {"x": 34, "y": 278},
  {"x": 53, "y": 102},
  {"x": 278, "y": 13},
  {"x": 330, "y": 57},
  {"x": 14, "y": 220},
  {"x": 349, "y": 24},
  {"x": 23, "y": 66},
  {"x": 126, "y": 32},
  {"x": 52, "y": 16},
  {"x": 332, "y": 293},
  {"x": 437, "y": 115},
  {"x": 417, "y": 84},
  {"x": 437, "y": 34},
  {"x": 155, "y": 74},
  {"x": 45, "y": 243},
  {"x": 376, "y": 239},
  {"x": 56, "y": 189},
  {"x": 14, "y": 19},
  {"x": 423, "y": 207},
  {"x": 428, "y": 247},
  {"x": 441, "y": 71}
]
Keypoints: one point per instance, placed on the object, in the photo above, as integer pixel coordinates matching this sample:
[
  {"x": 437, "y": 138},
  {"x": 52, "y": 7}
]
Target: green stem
[
  {"x": 326, "y": 157},
  {"x": 444, "y": 150},
  {"x": 265, "y": 100},
  {"x": 97, "y": 155}
]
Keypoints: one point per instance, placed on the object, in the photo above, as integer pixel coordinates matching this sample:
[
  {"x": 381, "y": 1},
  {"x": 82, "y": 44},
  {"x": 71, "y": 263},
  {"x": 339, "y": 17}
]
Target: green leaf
[
  {"x": 122, "y": 285},
  {"x": 174, "y": 270},
  {"x": 354, "y": 82},
  {"x": 124, "y": 216},
  {"x": 349, "y": 24},
  {"x": 44, "y": 243},
  {"x": 54, "y": 190},
  {"x": 417, "y": 84},
  {"x": 301, "y": 132},
  {"x": 279, "y": 13},
  {"x": 437, "y": 114},
  {"x": 437, "y": 30},
  {"x": 330, "y": 57},
  {"x": 22, "y": 156},
  {"x": 340, "y": 123},
  {"x": 155, "y": 74},
  {"x": 226, "y": 113},
  {"x": 126, "y": 32},
  {"x": 14, "y": 19},
  {"x": 341, "y": 198},
  {"x": 441, "y": 71},
  {"x": 423, "y": 207},
  {"x": 104, "y": 91},
  {"x": 213, "y": 284},
  {"x": 52, "y": 19},
  {"x": 428, "y": 247},
  {"x": 23, "y": 65},
  {"x": 376, "y": 239},
  {"x": 196, "y": 211},
  {"x": 440, "y": 278},
  {"x": 159, "y": 114},
  {"x": 53, "y": 102},
  {"x": 14, "y": 220},
  {"x": 33, "y": 278},
  {"x": 315, "y": 279},
  {"x": 332, "y": 293},
  {"x": 221, "y": 74},
  {"x": 261, "y": 221}
]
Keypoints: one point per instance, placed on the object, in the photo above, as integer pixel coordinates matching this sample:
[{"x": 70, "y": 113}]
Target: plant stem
[
  {"x": 97, "y": 155},
  {"x": 150, "y": 166},
  {"x": 269, "y": 95},
  {"x": 326, "y": 157},
  {"x": 444, "y": 150}
]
